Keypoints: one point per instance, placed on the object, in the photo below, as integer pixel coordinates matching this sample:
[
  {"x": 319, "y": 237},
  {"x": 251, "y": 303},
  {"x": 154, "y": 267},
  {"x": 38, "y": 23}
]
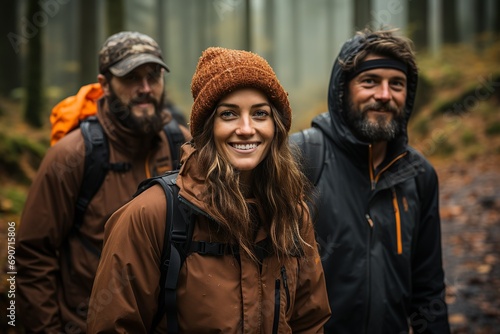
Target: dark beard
[
  {"x": 142, "y": 125},
  {"x": 370, "y": 132}
]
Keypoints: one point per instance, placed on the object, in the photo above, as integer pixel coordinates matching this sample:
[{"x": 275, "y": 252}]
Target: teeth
[{"x": 245, "y": 146}]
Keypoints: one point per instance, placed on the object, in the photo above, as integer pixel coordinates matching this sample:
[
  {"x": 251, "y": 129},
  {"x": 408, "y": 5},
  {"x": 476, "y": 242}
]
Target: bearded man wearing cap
[
  {"x": 56, "y": 262},
  {"x": 377, "y": 221}
]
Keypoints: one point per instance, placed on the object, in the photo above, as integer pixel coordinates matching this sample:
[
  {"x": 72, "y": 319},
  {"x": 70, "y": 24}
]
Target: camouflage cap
[{"x": 126, "y": 50}]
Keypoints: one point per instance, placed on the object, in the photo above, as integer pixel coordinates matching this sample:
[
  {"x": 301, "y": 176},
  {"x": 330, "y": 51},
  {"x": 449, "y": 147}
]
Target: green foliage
[
  {"x": 466, "y": 101},
  {"x": 468, "y": 137},
  {"x": 13, "y": 149},
  {"x": 493, "y": 129},
  {"x": 15, "y": 198},
  {"x": 444, "y": 148},
  {"x": 425, "y": 94},
  {"x": 421, "y": 126}
]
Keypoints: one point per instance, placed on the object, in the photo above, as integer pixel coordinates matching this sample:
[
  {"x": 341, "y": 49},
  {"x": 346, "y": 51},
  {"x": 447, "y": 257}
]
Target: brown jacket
[
  {"x": 215, "y": 294},
  {"x": 55, "y": 269}
]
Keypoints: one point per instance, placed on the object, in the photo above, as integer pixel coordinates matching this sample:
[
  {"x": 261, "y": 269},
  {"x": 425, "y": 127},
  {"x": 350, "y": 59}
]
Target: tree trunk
[
  {"x": 88, "y": 41},
  {"x": 248, "y": 26},
  {"x": 34, "y": 61},
  {"x": 417, "y": 23},
  {"x": 450, "y": 22},
  {"x": 362, "y": 10},
  {"x": 115, "y": 16},
  {"x": 480, "y": 37},
  {"x": 9, "y": 58},
  {"x": 496, "y": 19}
]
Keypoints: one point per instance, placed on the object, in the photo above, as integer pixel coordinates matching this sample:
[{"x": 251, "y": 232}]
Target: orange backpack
[{"x": 68, "y": 113}]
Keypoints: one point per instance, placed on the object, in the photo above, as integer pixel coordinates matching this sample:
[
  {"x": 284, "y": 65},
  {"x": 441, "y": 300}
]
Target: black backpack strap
[
  {"x": 96, "y": 159},
  {"x": 175, "y": 140},
  {"x": 312, "y": 148},
  {"x": 96, "y": 166},
  {"x": 171, "y": 258}
]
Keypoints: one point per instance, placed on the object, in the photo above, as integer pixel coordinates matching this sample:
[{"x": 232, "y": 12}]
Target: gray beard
[{"x": 377, "y": 131}]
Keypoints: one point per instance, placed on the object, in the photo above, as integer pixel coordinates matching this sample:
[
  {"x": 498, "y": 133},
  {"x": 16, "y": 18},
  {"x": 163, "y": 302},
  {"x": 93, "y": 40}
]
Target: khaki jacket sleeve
[
  {"x": 311, "y": 309},
  {"x": 125, "y": 292},
  {"x": 45, "y": 222}
]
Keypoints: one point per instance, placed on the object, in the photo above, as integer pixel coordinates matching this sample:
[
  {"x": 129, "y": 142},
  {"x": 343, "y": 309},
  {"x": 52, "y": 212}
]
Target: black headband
[{"x": 379, "y": 63}]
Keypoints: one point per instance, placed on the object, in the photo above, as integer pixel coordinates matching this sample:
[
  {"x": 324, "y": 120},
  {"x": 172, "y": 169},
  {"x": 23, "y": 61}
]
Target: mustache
[
  {"x": 146, "y": 99},
  {"x": 378, "y": 106}
]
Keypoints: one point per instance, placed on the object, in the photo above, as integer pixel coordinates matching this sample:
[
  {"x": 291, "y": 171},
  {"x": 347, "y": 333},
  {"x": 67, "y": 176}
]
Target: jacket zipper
[
  {"x": 397, "y": 215},
  {"x": 277, "y": 298},
  {"x": 369, "y": 292},
  {"x": 374, "y": 178},
  {"x": 285, "y": 285}
]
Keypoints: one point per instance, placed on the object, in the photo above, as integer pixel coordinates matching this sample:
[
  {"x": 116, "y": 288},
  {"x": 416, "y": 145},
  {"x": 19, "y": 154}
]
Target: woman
[{"x": 239, "y": 172}]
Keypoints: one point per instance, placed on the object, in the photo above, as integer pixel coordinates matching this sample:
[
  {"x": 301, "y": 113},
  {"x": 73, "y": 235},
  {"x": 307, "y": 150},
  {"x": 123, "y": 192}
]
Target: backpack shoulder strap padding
[
  {"x": 311, "y": 144},
  {"x": 94, "y": 172},
  {"x": 175, "y": 139},
  {"x": 171, "y": 258},
  {"x": 96, "y": 158},
  {"x": 96, "y": 166}
]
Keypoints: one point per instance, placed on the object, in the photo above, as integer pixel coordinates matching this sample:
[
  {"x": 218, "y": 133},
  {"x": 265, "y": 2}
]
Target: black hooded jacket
[{"x": 378, "y": 230}]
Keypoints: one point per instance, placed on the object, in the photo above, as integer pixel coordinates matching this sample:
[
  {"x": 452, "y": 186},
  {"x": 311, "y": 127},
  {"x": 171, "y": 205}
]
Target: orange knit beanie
[{"x": 221, "y": 71}]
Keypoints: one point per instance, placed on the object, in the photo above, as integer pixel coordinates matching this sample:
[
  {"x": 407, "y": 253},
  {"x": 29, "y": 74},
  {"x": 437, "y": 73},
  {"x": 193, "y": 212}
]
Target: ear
[{"x": 104, "y": 84}]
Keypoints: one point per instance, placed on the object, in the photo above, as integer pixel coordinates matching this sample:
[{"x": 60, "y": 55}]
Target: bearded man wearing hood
[{"x": 377, "y": 205}]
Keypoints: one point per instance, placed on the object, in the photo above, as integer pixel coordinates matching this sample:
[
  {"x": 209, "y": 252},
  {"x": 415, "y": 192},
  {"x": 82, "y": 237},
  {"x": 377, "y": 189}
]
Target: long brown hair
[{"x": 278, "y": 185}]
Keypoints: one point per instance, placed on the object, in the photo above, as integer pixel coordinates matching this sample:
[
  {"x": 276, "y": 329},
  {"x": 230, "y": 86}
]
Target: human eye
[
  {"x": 398, "y": 84},
  {"x": 131, "y": 77},
  {"x": 367, "y": 81},
  {"x": 261, "y": 113},
  {"x": 154, "y": 75},
  {"x": 227, "y": 114}
]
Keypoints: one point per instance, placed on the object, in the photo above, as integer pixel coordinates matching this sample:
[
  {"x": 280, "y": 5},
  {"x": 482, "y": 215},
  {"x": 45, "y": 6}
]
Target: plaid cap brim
[{"x": 132, "y": 62}]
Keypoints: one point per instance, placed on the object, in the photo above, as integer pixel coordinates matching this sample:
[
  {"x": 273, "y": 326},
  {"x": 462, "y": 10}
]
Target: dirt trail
[{"x": 470, "y": 212}]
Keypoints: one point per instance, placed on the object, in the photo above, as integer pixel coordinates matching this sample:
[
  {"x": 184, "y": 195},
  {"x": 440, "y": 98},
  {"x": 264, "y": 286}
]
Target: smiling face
[
  {"x": 377, "y": 100},
  {"x": 244, "y": 128}
]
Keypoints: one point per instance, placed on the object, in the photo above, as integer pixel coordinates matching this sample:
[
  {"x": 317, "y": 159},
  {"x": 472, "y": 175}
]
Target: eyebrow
[
  {"x": 374, "y": 75},
  {"x": 230, "y": 105}
]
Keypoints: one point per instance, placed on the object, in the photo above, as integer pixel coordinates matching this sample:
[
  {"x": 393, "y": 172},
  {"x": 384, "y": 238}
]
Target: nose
[
  {"x": 383, "y": 92},
  {"x": 245, "y": 127},
  {"x": 145, "y": 87}
]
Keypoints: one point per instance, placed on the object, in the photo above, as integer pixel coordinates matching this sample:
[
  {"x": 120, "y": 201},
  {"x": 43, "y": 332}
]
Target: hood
[
  {"x": 336, "y": 97},
  {"x": 191, "y": 180}
]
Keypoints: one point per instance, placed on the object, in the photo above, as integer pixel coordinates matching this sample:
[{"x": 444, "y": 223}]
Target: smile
[{"x": 244, "y": 146}]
